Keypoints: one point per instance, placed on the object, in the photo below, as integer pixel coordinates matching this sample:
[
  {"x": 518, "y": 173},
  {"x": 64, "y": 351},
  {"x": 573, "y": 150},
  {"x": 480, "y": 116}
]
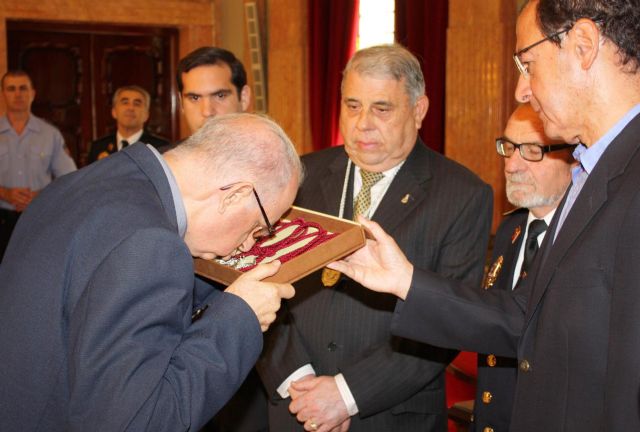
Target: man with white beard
[{"x": 537, "y": 171}]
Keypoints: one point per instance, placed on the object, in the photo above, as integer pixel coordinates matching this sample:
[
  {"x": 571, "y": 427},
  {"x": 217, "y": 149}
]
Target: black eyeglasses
[
  {"x": 522, "y": 67},
  {"x": 532, "y": 152},
  {"x": 270, "y": 231}
]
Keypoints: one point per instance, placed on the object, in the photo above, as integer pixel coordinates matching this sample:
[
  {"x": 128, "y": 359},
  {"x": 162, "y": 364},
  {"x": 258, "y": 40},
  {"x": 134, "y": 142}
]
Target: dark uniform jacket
[
  {"x": 496, "y": 383},
  {"x": 106, "y": 145}
]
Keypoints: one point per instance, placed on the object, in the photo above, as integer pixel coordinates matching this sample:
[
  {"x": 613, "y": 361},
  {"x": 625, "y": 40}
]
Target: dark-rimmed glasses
[
  {"x": 524, "y": 70},
  {"x": 532, "y": 152},
  {"x": 270, "y": 230}
]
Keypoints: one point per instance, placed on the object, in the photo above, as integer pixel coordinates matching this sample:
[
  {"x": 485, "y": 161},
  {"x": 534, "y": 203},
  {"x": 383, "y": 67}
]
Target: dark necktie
[
  {"x": 536, "y": 227},
  {"x": 124, "y": 143},
  {"x": 363, "y": 200}
]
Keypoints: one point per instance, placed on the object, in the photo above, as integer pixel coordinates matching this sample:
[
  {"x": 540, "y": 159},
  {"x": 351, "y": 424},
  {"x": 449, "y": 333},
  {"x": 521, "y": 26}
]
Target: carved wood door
[{"x": 77, "y": 68}]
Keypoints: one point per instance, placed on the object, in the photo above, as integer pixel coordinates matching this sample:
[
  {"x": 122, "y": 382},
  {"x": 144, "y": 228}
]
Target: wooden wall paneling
[
  {"x": 480, "y": 85},
  {"x": 287, "y": 70}
]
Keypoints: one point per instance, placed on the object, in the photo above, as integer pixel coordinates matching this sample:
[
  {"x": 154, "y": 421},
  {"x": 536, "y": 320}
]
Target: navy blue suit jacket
[{"x": 97, "y": 290}]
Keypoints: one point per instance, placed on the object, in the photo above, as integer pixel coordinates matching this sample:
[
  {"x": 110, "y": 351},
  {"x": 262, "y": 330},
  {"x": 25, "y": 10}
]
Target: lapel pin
[
  {"x": 516, "y": 234},
  {"x": 405, "y": 199},
  {"x": 493, "y": 273}
]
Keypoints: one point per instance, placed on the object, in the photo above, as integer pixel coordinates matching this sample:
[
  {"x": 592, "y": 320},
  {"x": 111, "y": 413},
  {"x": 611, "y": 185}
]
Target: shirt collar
[
  {"x": 181, "y": 213},
  {"x": 4, "y": 124},
  {"x": 132, "y": 139},
  {"x": 32, "y": 124},
  {"x": 589, "y": 156},
  {"x": 388, "y": 174},
  {"x": 547, "y": 218}
]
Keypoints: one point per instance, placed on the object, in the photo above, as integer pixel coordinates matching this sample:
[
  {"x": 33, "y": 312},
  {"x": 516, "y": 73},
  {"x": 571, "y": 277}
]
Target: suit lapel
[
  {"x": 406, "y": 191},
  {"x": 331, "y": 187},
  {"x": 511, "y": 256},
  {"x": 592, "y": 197}
]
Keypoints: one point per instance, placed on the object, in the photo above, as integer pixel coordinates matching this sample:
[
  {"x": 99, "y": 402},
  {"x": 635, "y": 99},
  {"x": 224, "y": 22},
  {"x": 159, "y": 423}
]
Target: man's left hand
[{"x": 320, "y": 404}]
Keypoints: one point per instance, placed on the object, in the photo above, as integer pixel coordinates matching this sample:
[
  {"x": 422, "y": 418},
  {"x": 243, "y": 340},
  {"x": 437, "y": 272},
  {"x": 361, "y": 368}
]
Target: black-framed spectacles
[
  {"x": 524, "y": 70},
  {"x": 532, "y": 152},
  {"x": 270, "y": 230}
]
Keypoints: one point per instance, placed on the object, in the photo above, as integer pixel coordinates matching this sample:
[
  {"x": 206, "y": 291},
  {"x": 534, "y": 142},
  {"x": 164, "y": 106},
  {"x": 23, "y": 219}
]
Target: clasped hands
[
  {"x": 316, "y": 402},
  {"x": 20, "y": 198}
]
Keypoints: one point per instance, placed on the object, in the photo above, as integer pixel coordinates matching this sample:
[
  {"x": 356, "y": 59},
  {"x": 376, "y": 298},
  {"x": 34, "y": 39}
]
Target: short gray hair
[
  {"x": 247, "y": 147},
  {"x": 389, "y": 61},
  {"x": 135, "y": 88}
]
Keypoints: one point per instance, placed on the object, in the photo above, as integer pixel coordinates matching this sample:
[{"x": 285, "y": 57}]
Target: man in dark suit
[
  {"x": 103, "y": 325},
  {"x": 537, "y": 172},
  {"x": 130, "y": 111},
  {"x": 334, "y": 340},
  {"x": 574, "y": 322}
]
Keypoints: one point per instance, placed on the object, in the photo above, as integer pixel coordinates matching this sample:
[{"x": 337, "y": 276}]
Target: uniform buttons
[
  {"x": 487, "y": 429},
  {"x": 491, "y": 360},
  {"x": 332, "y": 346},
  {"x": 524, "y": 366},
  {"x": 486, "y": 397}
]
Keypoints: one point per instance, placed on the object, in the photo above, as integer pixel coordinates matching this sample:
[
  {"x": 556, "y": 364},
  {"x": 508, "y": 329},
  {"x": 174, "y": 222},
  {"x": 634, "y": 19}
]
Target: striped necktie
[{"x": 363, "y": 200}]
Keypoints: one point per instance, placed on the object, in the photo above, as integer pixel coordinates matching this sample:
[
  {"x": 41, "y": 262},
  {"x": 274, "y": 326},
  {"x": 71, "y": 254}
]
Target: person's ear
[
  {"x": 585, "y": 37},
  {"x": 234, "y": 196},
  {"x": 113, "y": 113},
  {"x": 420, "y": 110},
  {"x": 245, "y": 97}
]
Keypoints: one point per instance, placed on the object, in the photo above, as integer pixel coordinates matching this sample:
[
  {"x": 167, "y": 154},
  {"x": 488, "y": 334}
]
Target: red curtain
[
  {"x": 421, "y": 26},
  {"x": 333, "y": 26}
]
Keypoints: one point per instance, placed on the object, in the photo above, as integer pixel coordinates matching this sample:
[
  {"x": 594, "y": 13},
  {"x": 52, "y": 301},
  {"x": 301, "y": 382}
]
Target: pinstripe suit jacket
[{"x": 398, "y": 385}]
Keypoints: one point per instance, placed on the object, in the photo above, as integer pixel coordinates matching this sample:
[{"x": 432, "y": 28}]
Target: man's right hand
[
  {"x": 380, "y": 265},
  {"x": 263, "y": 297}
]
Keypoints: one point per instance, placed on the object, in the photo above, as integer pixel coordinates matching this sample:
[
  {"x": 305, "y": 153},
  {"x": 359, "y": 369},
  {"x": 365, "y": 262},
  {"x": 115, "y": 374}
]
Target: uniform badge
[
  {"x": 516, "y": 234},
  {"x": 330, "y": 277},
  {"x": 491, "y": 360},
  {"x": 493, "y": 273}
]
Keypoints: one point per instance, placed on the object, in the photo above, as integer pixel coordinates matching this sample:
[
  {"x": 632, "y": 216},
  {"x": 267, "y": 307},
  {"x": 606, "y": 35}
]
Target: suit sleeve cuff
[
  {"x": 283, "y": 389},
  {"x": 347, "y": 397}
]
